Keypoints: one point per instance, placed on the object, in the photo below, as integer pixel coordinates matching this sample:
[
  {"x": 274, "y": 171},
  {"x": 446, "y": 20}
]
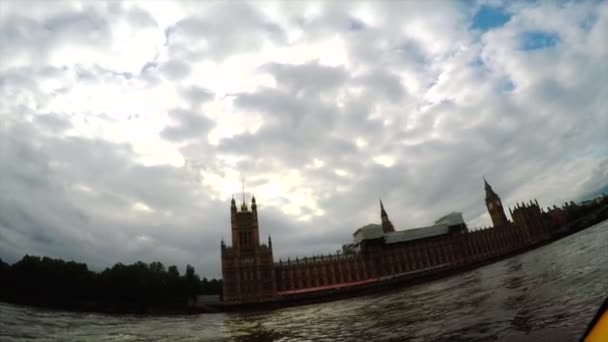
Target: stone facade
[{"x": 250, "y": 275}]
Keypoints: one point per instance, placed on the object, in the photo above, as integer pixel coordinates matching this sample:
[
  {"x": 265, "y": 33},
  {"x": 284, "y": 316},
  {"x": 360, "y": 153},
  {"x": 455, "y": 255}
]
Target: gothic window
[{"x": 244, "y": 238}]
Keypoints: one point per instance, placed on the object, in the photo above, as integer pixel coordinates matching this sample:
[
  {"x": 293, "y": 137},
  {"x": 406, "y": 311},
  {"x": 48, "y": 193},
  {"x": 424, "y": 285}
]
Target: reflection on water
[{"x": 548, "y": 294}]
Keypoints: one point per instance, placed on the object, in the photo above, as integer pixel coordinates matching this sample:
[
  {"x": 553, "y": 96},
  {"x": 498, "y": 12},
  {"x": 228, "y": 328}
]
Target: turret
[
  {"x": 254, "y": 208},
  {"x": 233, "y": 213},
  {"x": 233, "y": 206}
]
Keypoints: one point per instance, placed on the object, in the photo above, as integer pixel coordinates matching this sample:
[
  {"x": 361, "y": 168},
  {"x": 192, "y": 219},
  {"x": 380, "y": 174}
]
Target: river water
[{"x": 548, "y": 294}]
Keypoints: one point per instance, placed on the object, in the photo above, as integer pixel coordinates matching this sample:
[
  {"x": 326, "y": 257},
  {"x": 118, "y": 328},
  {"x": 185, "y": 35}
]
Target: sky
[{"x": 126, "y": 127}]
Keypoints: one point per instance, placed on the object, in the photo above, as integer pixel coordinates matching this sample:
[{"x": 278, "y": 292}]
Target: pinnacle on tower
[
  {"x": 244, "y": 205},
  {"x": 233, "y": 206},
  {"x": 487, "y": 186}
]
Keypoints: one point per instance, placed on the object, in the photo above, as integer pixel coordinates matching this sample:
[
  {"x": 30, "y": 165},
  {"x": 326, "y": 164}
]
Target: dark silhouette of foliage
[
  {"x": 4, "y": 267},
  {"x": 213, "y": 286},
  {"x": 47, "y": 281}
]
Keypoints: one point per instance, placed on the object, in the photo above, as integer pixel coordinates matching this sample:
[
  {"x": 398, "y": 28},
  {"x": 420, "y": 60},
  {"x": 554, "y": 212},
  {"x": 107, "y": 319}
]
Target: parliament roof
[
  {"x": 374, "y": 231},
  {"x": 416, "y": 233},
  {"x": 452, "y": 219},
  {"x": 368, "y": 232}
]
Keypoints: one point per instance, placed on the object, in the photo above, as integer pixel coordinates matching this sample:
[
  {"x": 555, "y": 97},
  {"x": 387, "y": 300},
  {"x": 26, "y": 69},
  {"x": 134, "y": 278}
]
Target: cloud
[
  {"x": 190, "y": 125},
  {"x": 125, "y": 128},
  {"x": 209, "y": 33},
  {"x": 175, "y": 70},
  {"x": 196, "y": 95}
]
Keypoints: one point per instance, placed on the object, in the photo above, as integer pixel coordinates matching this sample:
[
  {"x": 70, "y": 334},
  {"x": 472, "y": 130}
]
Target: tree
[
  {"x": 190, "y": 273},
  {"x": 173, "y": 271},
  {"x": 55, "y": 282},
  {"x": 192, "y": 282},
  {"x": 157, "y": 266},
  {"x": 4, "y": 267}
]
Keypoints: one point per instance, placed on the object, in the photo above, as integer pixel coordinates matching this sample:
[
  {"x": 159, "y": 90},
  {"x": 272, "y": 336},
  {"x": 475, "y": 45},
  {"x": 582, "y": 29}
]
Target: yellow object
[{"x": 599, "y": 332}]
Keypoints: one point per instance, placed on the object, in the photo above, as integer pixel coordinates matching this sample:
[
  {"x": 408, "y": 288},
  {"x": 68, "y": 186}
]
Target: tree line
[{"x": 136, "y": 287}]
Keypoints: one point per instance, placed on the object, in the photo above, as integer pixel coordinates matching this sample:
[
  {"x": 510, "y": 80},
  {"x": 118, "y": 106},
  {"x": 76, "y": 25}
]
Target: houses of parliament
[{"x": 378, "y": 253}]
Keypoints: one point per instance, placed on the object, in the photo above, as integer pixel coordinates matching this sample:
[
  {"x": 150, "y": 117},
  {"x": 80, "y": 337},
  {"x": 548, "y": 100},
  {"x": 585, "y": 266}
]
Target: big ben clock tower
[{"x": 494, "y": 205}]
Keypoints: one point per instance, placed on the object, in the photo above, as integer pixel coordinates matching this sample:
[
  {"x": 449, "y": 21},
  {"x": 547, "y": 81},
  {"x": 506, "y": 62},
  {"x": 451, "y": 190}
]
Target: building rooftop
[
  {"x": 374, "y": 231},
  {"x": 368, "y": 232},
  {"x": 452, "y": 219},
  {"x": 416, "y": 233}
]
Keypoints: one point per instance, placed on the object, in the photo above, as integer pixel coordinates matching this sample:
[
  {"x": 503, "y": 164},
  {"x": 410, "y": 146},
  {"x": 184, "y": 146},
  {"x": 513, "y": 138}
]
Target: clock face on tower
[
  {"x": 497, "y": 204},
  {"x": 491, "y": 205}
]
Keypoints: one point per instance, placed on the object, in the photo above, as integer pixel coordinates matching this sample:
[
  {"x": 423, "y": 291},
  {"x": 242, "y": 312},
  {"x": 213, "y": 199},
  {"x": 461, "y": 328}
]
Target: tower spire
[
  {"x": 387, "y": 225},
  {"x": 489, "y": 191},
  {"x": 494, "y": 205},
  {"x": 244, "y": 205}
]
